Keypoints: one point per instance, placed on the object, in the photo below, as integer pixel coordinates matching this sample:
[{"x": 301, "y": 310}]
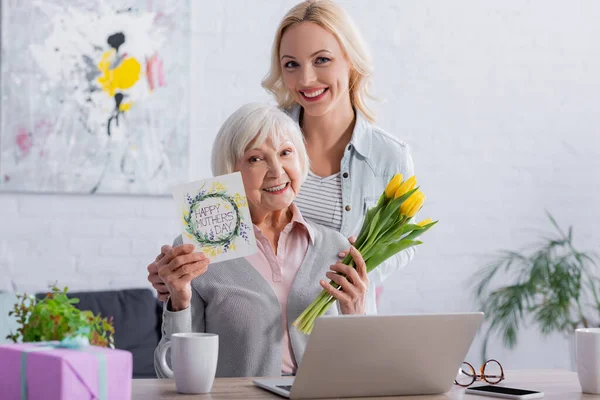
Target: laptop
[{"x": 380, "y": 355}]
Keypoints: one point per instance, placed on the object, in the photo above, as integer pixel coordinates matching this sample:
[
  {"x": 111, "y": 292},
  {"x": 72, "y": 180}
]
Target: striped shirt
[{"x": 320, "y": 200}]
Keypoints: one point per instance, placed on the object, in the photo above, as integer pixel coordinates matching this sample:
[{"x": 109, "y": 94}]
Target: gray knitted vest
[{"x": 233, "y": 300}]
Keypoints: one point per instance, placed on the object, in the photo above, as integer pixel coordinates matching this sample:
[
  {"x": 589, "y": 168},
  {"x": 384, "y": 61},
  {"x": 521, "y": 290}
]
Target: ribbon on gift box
[{"x": 78, "y": 341}]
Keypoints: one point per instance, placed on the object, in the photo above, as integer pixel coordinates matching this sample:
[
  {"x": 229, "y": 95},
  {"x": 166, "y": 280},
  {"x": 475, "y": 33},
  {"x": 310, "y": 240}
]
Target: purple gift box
[{"x": 32, "y": 371}]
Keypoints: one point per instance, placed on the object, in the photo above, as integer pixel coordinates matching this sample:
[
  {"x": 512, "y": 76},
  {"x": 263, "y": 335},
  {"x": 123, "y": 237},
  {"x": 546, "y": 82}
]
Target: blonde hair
[
  {"x": 254, "y": 122},
  {"x": 330, "y": 16}
]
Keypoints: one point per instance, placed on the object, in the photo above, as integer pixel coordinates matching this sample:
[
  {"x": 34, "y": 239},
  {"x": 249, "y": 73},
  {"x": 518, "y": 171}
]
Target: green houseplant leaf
[
  {"x": 554, "y": 287},
  {"x": 55, "y": 317}
]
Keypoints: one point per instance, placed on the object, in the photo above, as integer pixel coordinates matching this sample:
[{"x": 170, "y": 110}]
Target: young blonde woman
[{"x": 320, "y": 73}]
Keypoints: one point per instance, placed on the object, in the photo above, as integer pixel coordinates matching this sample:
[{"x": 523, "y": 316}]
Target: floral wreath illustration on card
[{"x": 213, "y": 219}]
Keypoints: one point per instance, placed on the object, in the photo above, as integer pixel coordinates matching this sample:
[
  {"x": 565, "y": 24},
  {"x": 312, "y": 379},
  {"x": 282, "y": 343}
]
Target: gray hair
[{"x": 254, "y": 122}]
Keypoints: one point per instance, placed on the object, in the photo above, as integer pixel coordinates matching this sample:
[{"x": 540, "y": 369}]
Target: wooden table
[{"x": 556, "y": 385}]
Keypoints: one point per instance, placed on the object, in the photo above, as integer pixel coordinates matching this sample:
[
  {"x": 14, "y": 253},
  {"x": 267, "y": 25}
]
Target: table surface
[{"x": 556, "y": 384}]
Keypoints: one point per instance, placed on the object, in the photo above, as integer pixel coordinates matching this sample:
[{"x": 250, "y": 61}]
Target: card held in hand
[{"x": 215, "y": 217}]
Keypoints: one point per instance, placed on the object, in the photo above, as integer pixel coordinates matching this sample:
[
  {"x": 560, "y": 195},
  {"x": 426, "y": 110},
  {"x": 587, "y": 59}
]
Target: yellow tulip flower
[
  {"x": 425, "y": 222},
  {"x": 416, "y": 206},
  {"x": 413, "y": 204},
  {"x": 407, "y": 204},
  {"x": 393, "y": 185},
  {"x": 406, "y": 186},
  {"x": 381, "y": 236}
]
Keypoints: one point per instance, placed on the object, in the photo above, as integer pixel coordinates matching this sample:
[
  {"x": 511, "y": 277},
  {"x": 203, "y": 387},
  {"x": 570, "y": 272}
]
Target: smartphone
[{"x": 504, "y": 392}]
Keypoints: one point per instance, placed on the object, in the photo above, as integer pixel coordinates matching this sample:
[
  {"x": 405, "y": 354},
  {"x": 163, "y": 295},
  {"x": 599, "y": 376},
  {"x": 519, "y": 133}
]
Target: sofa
[{"x": 137, "y": 318}]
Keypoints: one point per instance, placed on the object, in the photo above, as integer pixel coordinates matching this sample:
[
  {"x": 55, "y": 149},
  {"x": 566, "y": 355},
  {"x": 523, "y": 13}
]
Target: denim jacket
[{"x": 370, "y": 160}]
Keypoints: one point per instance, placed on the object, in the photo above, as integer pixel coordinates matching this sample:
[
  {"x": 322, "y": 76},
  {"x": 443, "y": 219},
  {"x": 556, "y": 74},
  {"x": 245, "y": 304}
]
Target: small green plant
[
  {"x": 555, "y": 287},
  {"x": 55, "y": 317}
]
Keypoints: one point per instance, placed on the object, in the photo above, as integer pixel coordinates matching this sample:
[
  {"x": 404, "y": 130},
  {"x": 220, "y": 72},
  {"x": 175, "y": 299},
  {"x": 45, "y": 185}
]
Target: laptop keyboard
[{"x": 285, "y": 387}]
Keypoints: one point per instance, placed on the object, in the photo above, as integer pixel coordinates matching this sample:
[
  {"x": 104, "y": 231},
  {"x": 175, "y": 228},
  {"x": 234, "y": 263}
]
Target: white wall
[{"x": 497, "y": 99}]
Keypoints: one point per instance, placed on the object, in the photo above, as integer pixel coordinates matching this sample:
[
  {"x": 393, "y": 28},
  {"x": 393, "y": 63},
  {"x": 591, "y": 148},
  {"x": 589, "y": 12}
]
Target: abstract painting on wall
[{"x": 94, "y": 95}]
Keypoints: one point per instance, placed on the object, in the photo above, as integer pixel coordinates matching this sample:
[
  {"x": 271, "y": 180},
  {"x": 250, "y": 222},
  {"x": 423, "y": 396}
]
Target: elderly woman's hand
[
  {"x": 177, "y": 269},
  {"x": 353, "y": 284},
  {"x": 154, "y": 279}
]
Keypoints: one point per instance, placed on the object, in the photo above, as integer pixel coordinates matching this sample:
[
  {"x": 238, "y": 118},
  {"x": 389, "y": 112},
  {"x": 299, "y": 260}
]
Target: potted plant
[
  {"x": 55, "y": 317},
  {"x": 554, "y": 286}
]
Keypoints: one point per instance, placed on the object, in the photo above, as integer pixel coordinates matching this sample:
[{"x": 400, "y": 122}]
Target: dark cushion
[{"x": 137, "y": 318}]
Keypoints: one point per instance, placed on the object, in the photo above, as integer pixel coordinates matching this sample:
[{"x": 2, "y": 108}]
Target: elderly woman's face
[{"x": 272, "y": 174}]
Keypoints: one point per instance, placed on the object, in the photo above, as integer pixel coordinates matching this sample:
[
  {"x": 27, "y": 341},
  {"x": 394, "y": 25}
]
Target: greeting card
[{"x": 215, "y": 217}]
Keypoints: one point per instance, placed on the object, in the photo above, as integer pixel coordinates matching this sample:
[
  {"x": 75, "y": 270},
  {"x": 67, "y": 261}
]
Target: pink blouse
[{"x": 279, "y": 270}]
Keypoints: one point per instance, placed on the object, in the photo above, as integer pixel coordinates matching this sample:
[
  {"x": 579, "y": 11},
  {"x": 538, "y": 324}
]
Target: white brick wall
[{"x": 497, "y": 99}]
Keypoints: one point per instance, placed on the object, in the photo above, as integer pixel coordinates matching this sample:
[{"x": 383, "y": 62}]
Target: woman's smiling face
[
  {"x": 314, "y": 68},
  {"x": 272, "y": 174}
]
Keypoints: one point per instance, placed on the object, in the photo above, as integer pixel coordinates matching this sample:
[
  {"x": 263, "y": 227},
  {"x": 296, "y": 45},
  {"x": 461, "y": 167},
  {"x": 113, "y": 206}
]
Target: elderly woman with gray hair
[{"x": 251, "y": 302}]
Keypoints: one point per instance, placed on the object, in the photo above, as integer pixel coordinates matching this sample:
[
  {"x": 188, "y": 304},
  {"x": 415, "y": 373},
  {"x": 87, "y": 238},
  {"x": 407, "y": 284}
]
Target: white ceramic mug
[
  {"x": 587, "y": 351},
  {"x": 194, "y": 359}
]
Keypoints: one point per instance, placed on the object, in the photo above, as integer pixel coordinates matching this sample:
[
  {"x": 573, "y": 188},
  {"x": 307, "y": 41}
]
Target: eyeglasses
[{"x": 491, "y": 372}]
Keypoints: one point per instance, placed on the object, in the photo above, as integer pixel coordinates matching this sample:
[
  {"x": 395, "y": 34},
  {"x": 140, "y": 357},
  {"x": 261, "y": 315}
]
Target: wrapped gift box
[{"x": 35, "y": 371}]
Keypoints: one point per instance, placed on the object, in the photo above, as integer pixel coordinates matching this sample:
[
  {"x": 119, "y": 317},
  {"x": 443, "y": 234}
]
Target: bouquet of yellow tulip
[{"x": 386, "y": 230}]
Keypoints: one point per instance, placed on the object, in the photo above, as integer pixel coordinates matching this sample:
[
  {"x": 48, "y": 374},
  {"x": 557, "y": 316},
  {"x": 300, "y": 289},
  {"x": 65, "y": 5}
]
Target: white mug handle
[{"x": 162, "y": 359}]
